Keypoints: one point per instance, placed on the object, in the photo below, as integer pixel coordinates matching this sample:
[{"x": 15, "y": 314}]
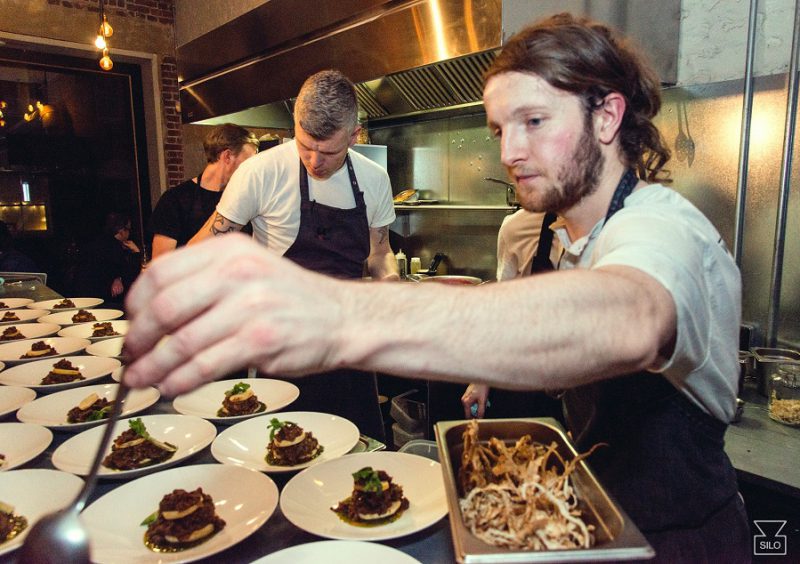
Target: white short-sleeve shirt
[
  {"x": 661, "y": 233},
  {"x": 265, "y": 190}
]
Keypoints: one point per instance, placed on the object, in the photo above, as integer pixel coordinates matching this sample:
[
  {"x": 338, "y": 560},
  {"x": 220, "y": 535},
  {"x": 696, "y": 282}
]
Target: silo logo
[{"x": 770, "y": 542}]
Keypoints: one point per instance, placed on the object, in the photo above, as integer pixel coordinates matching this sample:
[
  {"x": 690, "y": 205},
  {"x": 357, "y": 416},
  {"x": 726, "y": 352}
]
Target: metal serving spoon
[{"x": 61, "y": 537}]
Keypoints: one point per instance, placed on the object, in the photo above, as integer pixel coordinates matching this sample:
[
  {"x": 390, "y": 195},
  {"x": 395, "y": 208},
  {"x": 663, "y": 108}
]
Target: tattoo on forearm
[
  {"x": 384, "y": 233},
  {"x": 222, "y": 225}
]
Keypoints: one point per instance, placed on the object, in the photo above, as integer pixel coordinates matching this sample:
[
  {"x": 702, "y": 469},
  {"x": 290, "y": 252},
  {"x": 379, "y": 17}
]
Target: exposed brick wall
[{"x": 159, "y": 12}]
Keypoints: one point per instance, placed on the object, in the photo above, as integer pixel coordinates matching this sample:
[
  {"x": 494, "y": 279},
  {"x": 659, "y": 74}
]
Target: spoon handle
[{"x": 91, "y": 480}]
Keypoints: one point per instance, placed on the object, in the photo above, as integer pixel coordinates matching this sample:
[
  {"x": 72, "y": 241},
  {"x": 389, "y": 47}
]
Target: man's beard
[{"x": 577, "y": 178}]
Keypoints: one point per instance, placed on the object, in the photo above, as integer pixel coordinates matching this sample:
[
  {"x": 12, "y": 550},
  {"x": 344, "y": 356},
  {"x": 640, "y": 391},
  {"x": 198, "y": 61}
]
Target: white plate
[
  {"x": 245, "y": 444},
  {"x": 25, "y": 315},
  {"x": 22, "y": 442},
  {"x": 189, "y": 434},
  {"x": 307, "y": 499},
  {"x": 206, "y": 400},
  {"x": 11, "y": 352},
  {"x": 32, "y": 330},
  {"x": 30, "y": 374},
  {"x": 35, "y": 493},
  {"x": 107, "y": 348},
  {"x": 243, "y": 499},
  {"x": 337, "y": 552},
  {"x": 65, "y": 317},
  {"x": 51, "y": 411},
  {"x": 11, "y": 303},
  {"x": 85, "y": 330},
  {"x": 80, "y": 303},
  {"x": 14, "y": 397}
]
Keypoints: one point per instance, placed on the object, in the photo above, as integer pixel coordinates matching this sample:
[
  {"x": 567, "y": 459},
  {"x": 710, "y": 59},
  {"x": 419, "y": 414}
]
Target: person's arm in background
[
  {"x": 381, "y": 262},
  {"x": 162, "y": 245},
  {"x": 216, "y": 224}
]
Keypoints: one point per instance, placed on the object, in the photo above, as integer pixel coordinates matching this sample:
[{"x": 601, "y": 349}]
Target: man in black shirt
[{"x": 182, "y": 210}]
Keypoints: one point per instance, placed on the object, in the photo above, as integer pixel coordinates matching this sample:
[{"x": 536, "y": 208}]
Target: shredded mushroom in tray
[{"x": 520, "y": 496}]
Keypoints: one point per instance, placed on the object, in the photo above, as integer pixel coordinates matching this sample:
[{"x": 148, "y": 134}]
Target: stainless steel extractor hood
[{"x": 406, "y": 56}]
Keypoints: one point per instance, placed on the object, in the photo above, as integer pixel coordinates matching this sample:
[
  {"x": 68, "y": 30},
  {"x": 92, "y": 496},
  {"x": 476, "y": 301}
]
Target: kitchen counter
[{"x": 764, "y": 452}]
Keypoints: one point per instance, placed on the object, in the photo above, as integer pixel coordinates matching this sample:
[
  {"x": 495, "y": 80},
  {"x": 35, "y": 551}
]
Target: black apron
[
  {"x": 335, "y": 242},
  {"x": 665, "y": 461}
]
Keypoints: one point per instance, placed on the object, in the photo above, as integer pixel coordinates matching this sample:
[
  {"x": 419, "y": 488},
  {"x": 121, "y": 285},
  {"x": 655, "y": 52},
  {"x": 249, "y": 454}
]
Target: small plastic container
[
  {"x": 784, "y": 395},
  {"x": 402, "y": 437},
  {"x": 410, "y": 415},
  {"x": 428, "y": 449}
]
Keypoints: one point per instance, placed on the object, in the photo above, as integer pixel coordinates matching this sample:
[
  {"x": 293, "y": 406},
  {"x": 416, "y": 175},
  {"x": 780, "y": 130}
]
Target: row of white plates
[{"x": 244, "y": 498}]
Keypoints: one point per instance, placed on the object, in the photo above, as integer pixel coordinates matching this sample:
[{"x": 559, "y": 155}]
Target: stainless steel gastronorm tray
[{"x": 617, "y": 537}]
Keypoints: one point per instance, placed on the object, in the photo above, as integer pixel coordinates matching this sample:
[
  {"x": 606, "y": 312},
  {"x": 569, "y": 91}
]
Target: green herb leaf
[
  {"x": 138, "y": 427},
  {"x": 238, "y": 389},
  {"x": 99, "y": 414},
  {"x": 274, "y": 426},
  {"x": 149, "y": 519},
  {"x": 369, "y": 480}
]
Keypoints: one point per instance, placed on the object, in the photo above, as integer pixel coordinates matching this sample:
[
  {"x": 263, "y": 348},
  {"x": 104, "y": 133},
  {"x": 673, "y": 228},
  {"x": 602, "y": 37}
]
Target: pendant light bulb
[
  {"x": 106, "y": 63},
  {"x": 100, "y": 42},
  {"x": 105, "y": 28}
]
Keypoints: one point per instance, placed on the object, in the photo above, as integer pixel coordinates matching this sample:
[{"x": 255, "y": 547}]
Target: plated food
[
  {"x": 96, "y": 330},
  {"x": 28, "y": 331},
  {"x": 33, "y": 494},
  {"x": 135, "y": 448},
  {"x": 188, "y": 435},
  {"x": 21, "y": 315},
  {"x": 183, "y": 520},
  {"x": 11, "y": 524},
  {"x": 52, "y": 410},
  {"x": 14, "y": 397},
  {"x": 11, "y": 303},
  {"x": 243, "y": 499},
  {"x": 21, "y": 443},
  {"x": 307, "y": 498},
  {"x": 16, "y": 352},
  {"x": 247, "y": 443},
  {"x": 206, "y": 401},
  {"x": 66, "y": 304},
  {"x": 53, "y": 374},
  {"x": 240, "y": 400},
  {"x": 290, "y": 444},
  {"x": 72, "y": 317},
  {"x": 375, "y": 500}
]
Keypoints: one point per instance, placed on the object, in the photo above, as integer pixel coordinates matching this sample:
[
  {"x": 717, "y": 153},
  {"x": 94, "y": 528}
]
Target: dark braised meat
[
  {"x": 104, "y": 329},
  {"x": 10, "y": 316},
  {"x": 100, "y": 409},
  {"x": 240, "y": 400},
  {"x": 39, "y": 348},
  {"x": 174, "y": 529},
  {"x": 83, "y": 316},
  {"x": 63, "y": 371},
  {"x": 307, "y": 449},
  {"x": 375, "y": 498},
  {"x": 64, "y": 304},
  {"x": 6, "y": 526},
  {"x": 11, "y": 334},
  {"x": 3, "y": 305},
  {"x": 2, "y": 460},
  {"x": 130, "y": 450}
]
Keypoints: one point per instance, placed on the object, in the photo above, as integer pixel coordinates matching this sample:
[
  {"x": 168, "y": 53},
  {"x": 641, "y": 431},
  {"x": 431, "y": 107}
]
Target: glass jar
[{"x": 784, "y": 396}]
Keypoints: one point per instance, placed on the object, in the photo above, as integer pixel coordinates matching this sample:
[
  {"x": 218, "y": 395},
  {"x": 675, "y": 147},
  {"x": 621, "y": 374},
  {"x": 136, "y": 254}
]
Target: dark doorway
[{"x": 72, "y": 142}]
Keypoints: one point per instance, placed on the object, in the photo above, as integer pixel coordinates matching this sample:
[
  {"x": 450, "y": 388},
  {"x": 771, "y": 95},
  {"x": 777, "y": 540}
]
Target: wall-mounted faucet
[{"x": 511, "y": 194}]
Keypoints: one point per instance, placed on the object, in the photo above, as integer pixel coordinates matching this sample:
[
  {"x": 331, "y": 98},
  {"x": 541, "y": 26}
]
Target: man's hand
[
  {"x": 477, "y": 395},
  {"x": 226, "y": 304}
]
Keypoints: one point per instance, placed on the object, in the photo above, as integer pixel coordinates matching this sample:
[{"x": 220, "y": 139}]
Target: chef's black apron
[
  {"x": 665, "y": 462},
  {"x": 335, "y": 242}
]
